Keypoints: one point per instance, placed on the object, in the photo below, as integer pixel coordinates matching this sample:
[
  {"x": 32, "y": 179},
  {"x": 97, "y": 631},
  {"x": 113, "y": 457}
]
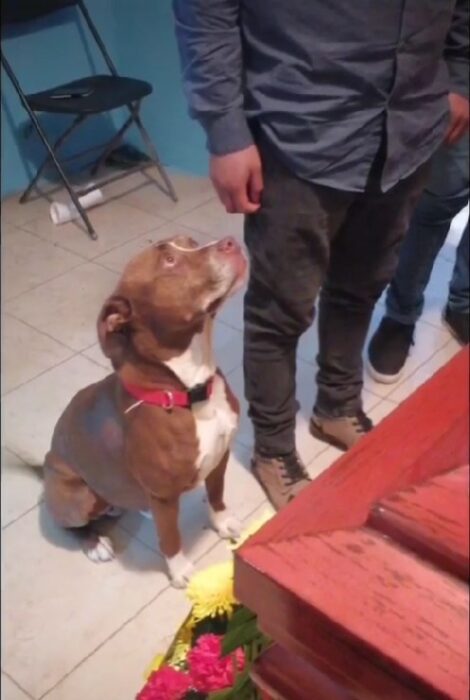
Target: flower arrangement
[{"x": 212, "y": 653}]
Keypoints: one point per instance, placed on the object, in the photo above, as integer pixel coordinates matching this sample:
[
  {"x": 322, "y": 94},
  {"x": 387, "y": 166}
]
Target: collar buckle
[{"x": 169, "y": 401}]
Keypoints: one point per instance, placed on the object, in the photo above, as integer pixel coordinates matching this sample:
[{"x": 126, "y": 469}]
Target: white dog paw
[
  {"x": 180, "y": 570},
  {"x": 101, "y": 550},
  {"x": 225, "y": 524}
]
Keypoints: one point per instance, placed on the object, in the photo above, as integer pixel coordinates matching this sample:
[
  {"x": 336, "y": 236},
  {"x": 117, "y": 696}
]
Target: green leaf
[
  {"x": 222, "y": 695},
  {"x": 240, "y": 636},
  {"x": 242, "y": 680},
  {"x": 240, "y": 617}
]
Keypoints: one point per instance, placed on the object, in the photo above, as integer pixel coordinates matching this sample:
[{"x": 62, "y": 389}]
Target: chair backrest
[{"x": 16, "y": 11}]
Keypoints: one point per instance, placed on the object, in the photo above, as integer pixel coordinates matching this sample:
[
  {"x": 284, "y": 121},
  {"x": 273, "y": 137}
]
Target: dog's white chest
[{"x": 216, "y": 424}]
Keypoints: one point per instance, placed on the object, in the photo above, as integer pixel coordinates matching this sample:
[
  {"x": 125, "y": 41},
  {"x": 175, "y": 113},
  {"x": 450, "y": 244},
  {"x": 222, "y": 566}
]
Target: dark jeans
[
  {"x": 446, "y": 193},
  {"x": 306, "y": 237}
]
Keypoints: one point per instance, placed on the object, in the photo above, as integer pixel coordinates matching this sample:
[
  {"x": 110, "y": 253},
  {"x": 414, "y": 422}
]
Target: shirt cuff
[
  {"x": 227, "y": 133},
  {"x": 459, "y": 78}
]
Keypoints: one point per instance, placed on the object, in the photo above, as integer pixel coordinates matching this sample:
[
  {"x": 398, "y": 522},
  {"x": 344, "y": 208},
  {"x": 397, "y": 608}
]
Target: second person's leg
[
  {"x": 445, "y": 194},
  {"x": 364, "y": 256}
]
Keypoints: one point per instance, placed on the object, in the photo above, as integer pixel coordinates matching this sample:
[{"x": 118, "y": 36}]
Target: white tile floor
[{"x": 73, "y": 630}]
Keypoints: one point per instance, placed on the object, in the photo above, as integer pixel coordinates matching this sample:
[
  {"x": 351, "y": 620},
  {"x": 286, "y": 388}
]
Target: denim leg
[
  {"x": 446, "y": 193},
  {"x": 459, "y": 294}
]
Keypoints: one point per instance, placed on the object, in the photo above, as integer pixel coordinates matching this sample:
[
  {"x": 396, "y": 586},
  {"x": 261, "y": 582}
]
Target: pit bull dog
[{"x": 162, "y": 423}]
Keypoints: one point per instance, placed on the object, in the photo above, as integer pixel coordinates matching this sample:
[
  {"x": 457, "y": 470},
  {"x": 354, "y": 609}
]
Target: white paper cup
[{"x": 61, "y": 213}]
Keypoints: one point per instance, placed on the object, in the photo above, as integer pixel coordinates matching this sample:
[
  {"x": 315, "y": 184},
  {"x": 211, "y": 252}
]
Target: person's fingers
[
  {"x": 255, "y": 186},
  {"x": 225, "y": 198},
  {"x": 242, "y": 203},
  {"x": 228, "y": 203},
  {"x": 456, "y": 130}
]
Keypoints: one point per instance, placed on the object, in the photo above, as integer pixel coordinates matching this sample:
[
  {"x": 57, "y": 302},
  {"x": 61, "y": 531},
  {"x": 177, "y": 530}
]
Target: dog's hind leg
[
  {"x": 227, "y": 526},
  {"x": 74, "y": 506}
]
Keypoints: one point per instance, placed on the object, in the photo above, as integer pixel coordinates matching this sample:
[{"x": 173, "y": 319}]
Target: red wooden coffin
[{"x": 362, "y": 582}]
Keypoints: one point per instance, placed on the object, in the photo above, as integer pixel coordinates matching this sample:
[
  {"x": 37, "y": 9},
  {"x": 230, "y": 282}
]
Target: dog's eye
[{"x": 169, "y": 260}]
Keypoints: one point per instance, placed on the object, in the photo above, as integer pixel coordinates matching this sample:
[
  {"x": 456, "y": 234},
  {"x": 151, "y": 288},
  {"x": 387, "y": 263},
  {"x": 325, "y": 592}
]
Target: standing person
[
  {"x": 446, "y": 193},
  {"x": 320, "y": 120}
]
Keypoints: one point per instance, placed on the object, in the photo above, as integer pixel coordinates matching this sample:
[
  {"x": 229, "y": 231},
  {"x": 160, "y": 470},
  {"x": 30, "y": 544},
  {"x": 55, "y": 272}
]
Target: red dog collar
[{"x": 170, "y": 399}]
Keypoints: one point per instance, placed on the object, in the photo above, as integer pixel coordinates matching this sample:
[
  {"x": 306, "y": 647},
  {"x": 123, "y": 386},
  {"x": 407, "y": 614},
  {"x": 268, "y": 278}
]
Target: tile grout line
[
  {"x": 41, "y": 332},
  {"x": 75, "y": 353},
  {"x": 101, "y": 645},
  {"x": 416, "y": 369},
  {"x": 85, "y": 260},
  {"x": 164, "y": 221},
  {"x": 50, "y": 279},
  {"x": 135, "y": 615},
  {"x": 91, "y": 259},
  {"x": 22, "y": 515},
  {"x": 317, "y": 455},
  {"x": 12, "y": 680},
  {"x": 167, "y": 218}
]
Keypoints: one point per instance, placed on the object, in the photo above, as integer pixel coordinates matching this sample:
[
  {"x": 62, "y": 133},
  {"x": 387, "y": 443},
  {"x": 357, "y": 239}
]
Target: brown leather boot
[
  {"x": 342, "y": 432},
  {"x": 282, "y": 478}
]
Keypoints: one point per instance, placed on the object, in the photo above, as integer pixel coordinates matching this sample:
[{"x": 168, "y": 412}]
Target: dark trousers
[{"x": 307, "y": 237}]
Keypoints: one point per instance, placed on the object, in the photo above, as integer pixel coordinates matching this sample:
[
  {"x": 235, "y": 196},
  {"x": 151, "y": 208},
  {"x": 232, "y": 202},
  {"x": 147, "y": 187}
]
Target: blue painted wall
[
  {"x": 140, "y": 38},
  {"x": 147, "y": 49}
]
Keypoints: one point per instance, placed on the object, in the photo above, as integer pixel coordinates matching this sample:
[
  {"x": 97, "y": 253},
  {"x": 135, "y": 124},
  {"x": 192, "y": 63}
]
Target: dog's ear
[{"x": 113, "y": 328}]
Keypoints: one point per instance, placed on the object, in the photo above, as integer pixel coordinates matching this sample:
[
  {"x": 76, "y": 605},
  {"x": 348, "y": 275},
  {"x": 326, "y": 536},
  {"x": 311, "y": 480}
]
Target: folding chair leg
[
  {"x": 47, "y": 160},
  {"x": 73, "y": 195},
  {"x": 154, "y": 155},
  {"x": 111, "y": 146},
  {"x": 91, "y": 231}
]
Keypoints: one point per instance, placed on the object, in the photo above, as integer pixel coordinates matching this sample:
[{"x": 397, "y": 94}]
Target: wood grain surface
[{"x": 363, "y": 579}]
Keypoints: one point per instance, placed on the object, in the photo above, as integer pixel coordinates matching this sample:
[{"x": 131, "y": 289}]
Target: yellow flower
[
  {"x": 177, "y": 651},
  {"x": 154, "y": 665},
  {"x": 182, "y": 643},
  {"x": 180, "y": 653},
  {"x": 211, "y": 592}
]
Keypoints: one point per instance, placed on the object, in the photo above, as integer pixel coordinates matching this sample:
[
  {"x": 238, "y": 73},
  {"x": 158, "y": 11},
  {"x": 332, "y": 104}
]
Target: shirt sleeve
[
  {"x": 456, "y": 52},
  {"x": 210, "y": 47}
]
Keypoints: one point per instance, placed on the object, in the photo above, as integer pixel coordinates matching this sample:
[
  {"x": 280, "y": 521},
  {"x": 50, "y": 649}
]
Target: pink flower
[
  {"x": 165, "y": 684},
  {"x": 208, "y": 669}
]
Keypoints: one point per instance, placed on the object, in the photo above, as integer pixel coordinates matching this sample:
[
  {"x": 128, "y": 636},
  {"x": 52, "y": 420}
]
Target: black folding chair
[{"x": 82, "y": 98}]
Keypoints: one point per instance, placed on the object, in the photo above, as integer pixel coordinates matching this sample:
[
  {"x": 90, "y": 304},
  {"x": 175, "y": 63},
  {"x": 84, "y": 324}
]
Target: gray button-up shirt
[{"x": 325, "y": 79}]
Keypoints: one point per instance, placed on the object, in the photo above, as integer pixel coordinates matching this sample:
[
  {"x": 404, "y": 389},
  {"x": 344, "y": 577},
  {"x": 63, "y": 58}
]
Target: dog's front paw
[
  {"x": 100, "y": 549},
  {"x": 225, "y": 524},
  {"x": 180, "y": 570}
]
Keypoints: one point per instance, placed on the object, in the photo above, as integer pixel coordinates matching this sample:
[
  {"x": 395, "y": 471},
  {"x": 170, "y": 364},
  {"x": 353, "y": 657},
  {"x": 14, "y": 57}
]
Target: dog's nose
[{"x": 227, "y": 245}]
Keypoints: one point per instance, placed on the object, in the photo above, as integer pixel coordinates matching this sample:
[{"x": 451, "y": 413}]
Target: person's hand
[
  {"x": 238, "y": 180},
  {"x": 459, "y": 118}
]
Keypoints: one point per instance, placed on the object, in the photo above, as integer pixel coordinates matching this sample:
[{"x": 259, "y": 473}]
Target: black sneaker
[
  {"x": 458, "y": 324},
  {"x": 388, "y": 350}
]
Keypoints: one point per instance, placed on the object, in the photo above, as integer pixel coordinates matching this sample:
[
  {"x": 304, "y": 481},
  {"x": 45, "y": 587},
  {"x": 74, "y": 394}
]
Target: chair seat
[{"x": 106, "y": 92}]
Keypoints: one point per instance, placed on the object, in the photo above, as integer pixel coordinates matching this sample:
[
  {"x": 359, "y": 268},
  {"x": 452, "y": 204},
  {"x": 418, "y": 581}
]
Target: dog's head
[{"x": 165, "y": 295}]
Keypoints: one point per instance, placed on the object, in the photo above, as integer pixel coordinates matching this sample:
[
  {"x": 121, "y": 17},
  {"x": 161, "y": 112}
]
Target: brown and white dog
[{"x": 163, "y": 422}]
